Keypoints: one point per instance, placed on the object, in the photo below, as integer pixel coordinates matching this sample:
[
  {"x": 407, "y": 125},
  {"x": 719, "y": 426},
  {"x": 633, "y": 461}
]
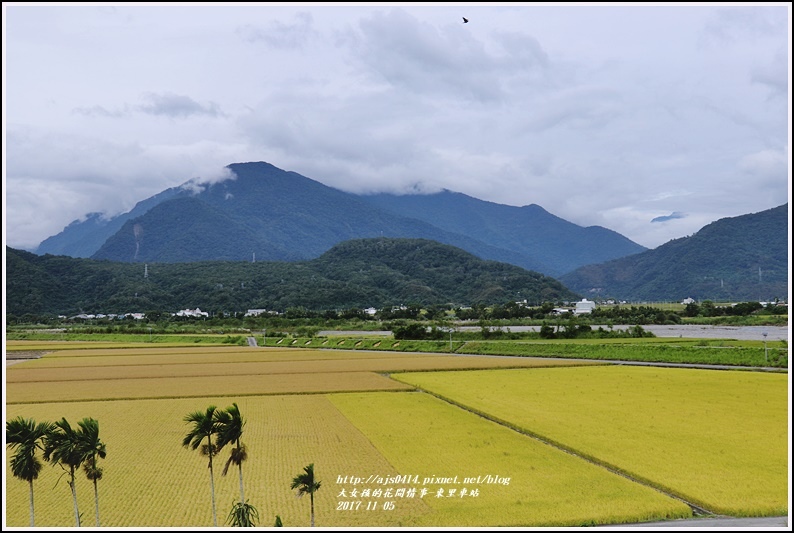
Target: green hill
[
  {"x": 360, "y": 273},
  {"x": 742, "y": 258}
]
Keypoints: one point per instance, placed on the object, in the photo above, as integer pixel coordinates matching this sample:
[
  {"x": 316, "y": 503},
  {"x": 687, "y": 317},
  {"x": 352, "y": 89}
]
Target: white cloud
[
  {"x": 773, "y": 73},
  {"x": 176, "y": 105},
  {"x": 766, "y": 166},
  {"x": 605, "y": 115},
  {"x": 281, "y": 35}
]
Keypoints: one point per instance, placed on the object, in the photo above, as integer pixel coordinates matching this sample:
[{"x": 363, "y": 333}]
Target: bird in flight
[{"x": 465, "y": 20}]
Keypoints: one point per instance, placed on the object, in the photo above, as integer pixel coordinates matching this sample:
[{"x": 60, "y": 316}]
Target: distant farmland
[{"x": 341, "y": 411}]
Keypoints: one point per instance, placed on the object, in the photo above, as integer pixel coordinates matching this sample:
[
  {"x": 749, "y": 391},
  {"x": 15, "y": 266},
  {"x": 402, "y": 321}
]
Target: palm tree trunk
[
  {"x": 74, "y": 499},
  {"x": 311, "y": 496},
  {"x": 212, "y": 487},
  {"x": 96, "y": 502},
  {"x": 242, "y": 493},
  {"x": 30, "y": 481}
]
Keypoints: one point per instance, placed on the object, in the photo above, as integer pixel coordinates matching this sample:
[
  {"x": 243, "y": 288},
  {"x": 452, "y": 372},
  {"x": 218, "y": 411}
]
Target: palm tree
[
  {"x": 62, "y": 445},
  {"x": 243, "y": 515},
  {"x": 230, "y": 430},
  {"x": 306, "y": 484},
  {"x": 204, "y": 426},
  {"x": 24, "y": 435},
  {"x": 91, "y": 448}
]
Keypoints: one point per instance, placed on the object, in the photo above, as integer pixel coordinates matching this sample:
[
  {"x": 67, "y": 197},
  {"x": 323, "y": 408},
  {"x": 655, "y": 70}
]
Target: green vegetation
[
  {"x": 70, "y": 448},
  {"x": 230, "y": 425},
  {"x": 690, "y": 351},
  {"x": 306, "y": 483},
  {"x": 732, "y": 259},
  {"x": 357, "y": 274},
  {"x": 93, "y": 448},
  {"x": 243, "y": 514},
  {"x": 26, "y": 437}
]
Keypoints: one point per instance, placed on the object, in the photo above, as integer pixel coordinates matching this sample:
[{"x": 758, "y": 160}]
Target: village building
[
  {"x": 585, "y": 307},
  {"x": 192, "y": 312}
]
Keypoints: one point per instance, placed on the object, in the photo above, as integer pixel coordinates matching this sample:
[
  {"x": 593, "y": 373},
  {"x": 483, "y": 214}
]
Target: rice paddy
[
  {"x": 519, "y": 481},
  {"x": 179, "y": 372},
  {"x": 716, "y": 438},
  {"x": 342, "y": 411},
  {"x": 150, "y": 480}
]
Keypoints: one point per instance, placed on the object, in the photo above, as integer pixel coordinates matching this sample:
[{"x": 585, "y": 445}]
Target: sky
[{"x": 652, "y": 120}]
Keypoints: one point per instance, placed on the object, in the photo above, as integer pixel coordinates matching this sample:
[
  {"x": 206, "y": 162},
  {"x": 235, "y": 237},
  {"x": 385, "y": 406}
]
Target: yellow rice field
[
  {"x": 150, "y": 480},
  {"x": 176, "y": 373},
  {"x": 223, "y": 355},
  {"x": 31, "y": 373},
  {"x": 340, "y": 411},
  {"x": 521, "y": 482},
  {"x": 716, "y": 438},
  {"x": 197, "y": 387}
]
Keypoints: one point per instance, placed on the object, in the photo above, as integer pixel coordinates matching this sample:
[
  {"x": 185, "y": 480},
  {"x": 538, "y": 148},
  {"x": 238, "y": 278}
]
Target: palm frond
[
  {"x": 226, "y": 466},
  {"x": 243, "y": 514}
]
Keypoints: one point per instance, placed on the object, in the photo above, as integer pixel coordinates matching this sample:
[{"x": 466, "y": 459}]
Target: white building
[
  {"x": 192, "y": 312},
  {"x": 584, "y": 307}
]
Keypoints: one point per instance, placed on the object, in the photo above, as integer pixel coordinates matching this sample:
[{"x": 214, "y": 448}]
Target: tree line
[
  {"x": 62, "y": 445},
  {"x": 226, "y": 427}
]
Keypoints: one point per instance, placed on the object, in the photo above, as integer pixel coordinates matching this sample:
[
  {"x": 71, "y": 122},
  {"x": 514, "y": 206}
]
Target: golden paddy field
[
  {"x": 716, "y": 438},
  {"x": 341, "y": 411}
]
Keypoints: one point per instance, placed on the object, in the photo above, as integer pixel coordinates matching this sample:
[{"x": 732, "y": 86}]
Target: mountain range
[
  {"x": 744, "y": 258},
  {"x": 266, "y": 213},
  {"x": 263, "y": 213}
]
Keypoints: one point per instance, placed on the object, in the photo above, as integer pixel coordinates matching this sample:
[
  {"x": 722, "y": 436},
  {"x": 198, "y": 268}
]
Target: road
[{"x": 773, "y": 523}]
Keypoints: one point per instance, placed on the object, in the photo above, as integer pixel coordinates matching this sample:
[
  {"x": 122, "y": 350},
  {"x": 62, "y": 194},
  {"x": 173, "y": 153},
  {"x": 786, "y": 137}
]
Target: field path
[{"x": 18, "y": 357}]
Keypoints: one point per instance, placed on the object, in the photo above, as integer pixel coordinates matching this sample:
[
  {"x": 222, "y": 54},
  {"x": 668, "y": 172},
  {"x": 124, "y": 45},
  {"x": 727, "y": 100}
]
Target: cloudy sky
[{"x": 650, "y": 120}]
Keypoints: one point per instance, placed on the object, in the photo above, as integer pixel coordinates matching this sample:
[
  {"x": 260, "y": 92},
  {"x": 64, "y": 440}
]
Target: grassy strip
[
  {"x": 690, "y": 351},
  {"x": 735, "y": 353},
  {"x": 646, "y": 352}
]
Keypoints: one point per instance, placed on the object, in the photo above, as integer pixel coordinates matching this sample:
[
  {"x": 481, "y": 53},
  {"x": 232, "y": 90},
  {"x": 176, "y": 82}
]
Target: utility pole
[{"x": 766, "y": 354}]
